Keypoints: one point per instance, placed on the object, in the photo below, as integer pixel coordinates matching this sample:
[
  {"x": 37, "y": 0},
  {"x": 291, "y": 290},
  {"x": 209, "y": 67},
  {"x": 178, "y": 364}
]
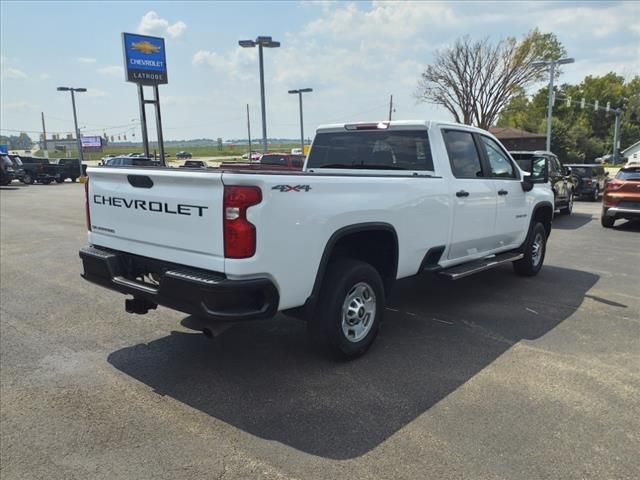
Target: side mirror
[
  {"x": 536, "y": 170},
  {"x": 606, "y": 174},
  {"x": 567, "y": 171}
]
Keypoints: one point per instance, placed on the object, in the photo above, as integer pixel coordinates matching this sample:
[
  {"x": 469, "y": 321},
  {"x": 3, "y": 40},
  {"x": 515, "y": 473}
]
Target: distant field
[{"x": 212, "y": 151}]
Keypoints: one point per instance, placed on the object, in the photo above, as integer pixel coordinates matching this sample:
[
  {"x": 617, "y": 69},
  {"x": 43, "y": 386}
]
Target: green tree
[{"x": 580, "y": 134}]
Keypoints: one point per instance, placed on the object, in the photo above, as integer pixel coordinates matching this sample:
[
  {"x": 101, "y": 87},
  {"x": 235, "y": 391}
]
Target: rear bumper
[
  {"x": 622, "y": 212},
  {"x": 197, "y": 292}
]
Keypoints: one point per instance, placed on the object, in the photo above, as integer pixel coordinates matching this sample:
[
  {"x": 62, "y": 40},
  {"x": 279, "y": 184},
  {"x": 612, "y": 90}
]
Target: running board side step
[{"x": 466, "y": 269}]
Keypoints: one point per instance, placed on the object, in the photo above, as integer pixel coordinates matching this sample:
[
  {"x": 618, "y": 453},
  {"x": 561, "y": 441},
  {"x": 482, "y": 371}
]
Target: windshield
[
  {"x": 629, "y": 174},
  {"x": 6, "y": 162},
  {"x": 379, "y": 149},
  {"x": 581, "y": 171},
  {"x": 273, "y": 160}
]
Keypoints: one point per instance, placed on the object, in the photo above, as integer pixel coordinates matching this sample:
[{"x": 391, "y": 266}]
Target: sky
[{"x": 353, "y": 54}]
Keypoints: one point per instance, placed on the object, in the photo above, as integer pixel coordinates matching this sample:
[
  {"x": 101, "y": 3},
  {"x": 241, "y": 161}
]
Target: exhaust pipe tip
[{"x": 208, "y": 333}]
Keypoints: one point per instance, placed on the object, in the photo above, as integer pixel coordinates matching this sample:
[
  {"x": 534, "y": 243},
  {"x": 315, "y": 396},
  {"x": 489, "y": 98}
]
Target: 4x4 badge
[{"x": 292, "y": 188}]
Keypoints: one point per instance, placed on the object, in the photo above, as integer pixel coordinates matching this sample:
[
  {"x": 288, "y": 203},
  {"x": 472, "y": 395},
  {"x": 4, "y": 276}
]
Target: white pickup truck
[{"x": 375, "y": 202}]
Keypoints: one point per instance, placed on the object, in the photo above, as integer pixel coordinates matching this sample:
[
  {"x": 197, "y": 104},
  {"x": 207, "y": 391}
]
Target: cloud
[
  {"x": 388, "y": 20},
  {"x": 176, "y": 29},
  {"x": 13, "y": 74},
  {"x": 239, "y": 62},
  {"x": 94, "y": 93},
  {"x": 152, "y": 24},
  {"x": 25, "y": 106},
  {"x": 112, "y": 71},
  {"x": 45, "y": 76},
  {"x": 86, "y": 60}
]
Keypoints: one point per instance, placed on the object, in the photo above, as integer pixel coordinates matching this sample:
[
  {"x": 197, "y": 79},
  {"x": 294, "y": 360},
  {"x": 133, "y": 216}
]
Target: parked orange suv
[{"x": 621, "y": 198}]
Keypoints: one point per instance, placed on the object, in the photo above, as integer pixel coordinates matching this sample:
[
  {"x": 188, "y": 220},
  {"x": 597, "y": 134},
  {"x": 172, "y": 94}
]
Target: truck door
[
  {"x": 473, "y": 197},
  {"x": 558, "y": 180},
  {"x": 511, "y": 209}
]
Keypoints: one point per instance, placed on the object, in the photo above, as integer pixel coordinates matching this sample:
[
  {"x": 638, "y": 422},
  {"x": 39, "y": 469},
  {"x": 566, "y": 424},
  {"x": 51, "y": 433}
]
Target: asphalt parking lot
[{"x": 493, "y": 376}]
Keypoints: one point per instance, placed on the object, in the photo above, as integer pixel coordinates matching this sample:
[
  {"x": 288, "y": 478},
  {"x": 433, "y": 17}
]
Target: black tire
[
  {"x": 46, "y": 182},
  {"x": 59, "y": 180},
  {"x": 27, "y": 179},
  {"x": 534, "y": 249},
  {"x": 605, "y": 221},
  {"x": 73, "y": 179},
  {"x": 568, "y": 208},
  {"x": 596, "y": 194},
  {"x": 330, "y": 326}
]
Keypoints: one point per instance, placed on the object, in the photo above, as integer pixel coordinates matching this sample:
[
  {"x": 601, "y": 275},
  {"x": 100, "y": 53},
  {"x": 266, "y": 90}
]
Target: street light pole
[
  {"x": 261, "y": 42},
  {"x": 552, "y": 71},
  {"x": 75, "y": 122},
  {"x": 262, "y": 100},
  {"x": 300, "y": 92}
]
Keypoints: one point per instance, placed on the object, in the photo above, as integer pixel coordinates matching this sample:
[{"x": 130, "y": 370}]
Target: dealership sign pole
[{"x": 146, "y": 64}]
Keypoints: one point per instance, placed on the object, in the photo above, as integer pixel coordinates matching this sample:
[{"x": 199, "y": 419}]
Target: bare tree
[{"x": 474, "y": 80}]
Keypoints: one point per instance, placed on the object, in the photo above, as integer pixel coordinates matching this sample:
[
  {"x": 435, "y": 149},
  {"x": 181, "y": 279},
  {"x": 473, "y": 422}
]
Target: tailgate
[{"x": 164, "y": 213}]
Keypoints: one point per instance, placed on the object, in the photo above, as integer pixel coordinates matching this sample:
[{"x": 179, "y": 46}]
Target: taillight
[
  {"x": 239, "y": 233},
  {"x": 86, "y": 203},
  {"x": 614, "y": 185}
]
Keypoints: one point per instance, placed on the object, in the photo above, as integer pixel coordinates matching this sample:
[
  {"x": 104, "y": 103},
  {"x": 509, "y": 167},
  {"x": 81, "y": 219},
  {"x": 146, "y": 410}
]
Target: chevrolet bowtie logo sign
[
  {"x": 144, "y": 59},
  {"x": 146, "y": 47}
]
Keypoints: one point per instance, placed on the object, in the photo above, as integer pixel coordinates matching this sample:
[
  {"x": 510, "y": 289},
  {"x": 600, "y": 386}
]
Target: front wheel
[
  {"x": 27, "y": 179},
  {"x": 351, "y": 306},
  {"x": 46, "y": 181},
  {"x": 596, "y": 194},
  {"x": 534, "y": 250},
  {"x": 59, "y": 180},
  {"x": 569, "y": 208}
]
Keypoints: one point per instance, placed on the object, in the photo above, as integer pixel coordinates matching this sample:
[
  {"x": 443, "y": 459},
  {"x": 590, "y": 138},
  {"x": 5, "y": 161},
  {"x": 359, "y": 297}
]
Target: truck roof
[{"x": 394, "y": 124}]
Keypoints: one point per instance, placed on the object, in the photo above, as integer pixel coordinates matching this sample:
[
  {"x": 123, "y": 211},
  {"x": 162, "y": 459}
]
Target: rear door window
[{"x": 463, "y": 154}]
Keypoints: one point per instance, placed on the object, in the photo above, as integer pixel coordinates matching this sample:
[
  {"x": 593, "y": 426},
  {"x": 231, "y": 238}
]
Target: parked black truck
[
  {"x": 7, "y": 172},
  {"x": 37, "y": 169},
  {"x": 70, "y": 168}
]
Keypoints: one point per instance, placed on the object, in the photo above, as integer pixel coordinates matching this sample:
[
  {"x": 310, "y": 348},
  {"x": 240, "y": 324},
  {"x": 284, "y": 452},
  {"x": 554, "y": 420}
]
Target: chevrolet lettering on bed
[
  {"x": 160, "y": 207},
  {"x": 374, "y": 203}
]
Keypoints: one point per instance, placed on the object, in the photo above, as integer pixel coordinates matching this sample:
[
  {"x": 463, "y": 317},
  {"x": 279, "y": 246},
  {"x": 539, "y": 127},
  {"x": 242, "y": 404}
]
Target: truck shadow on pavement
[
  {"x": 263, "y": 378},
  {"x": 571, "y": 222}
]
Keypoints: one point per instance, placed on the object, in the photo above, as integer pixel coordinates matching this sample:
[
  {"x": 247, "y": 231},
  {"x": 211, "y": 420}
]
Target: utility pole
[
  {"x": 390, "y": 106},
  {"x": 249, "y": 132},
  {"x": 552, "y": 71},
  {"x": 616, "y": 135},
  {"x": 44, "y": 136}
]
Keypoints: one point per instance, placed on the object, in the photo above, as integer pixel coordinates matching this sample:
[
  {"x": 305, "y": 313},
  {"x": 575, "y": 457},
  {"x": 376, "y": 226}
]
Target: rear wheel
[
  {"x": 73, "y": 179},
  {"x": 596, "y": 194},
  {"x": 27, "y": 179},
  {"x": 46, "y": 181},
  {"x": 59, "y": 180},
  {"x": 534, "y": 251},
  {"x": 351, "y": 305},
  {"x": 569, "y": 207},
  {"x": 606, "y": 221}
]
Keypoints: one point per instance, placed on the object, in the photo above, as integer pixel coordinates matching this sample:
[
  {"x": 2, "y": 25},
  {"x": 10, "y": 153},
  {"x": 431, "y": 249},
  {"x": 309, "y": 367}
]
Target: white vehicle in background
[
  {"x": 376, "y": 202},
  {"x": 296, "y": 151}
]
